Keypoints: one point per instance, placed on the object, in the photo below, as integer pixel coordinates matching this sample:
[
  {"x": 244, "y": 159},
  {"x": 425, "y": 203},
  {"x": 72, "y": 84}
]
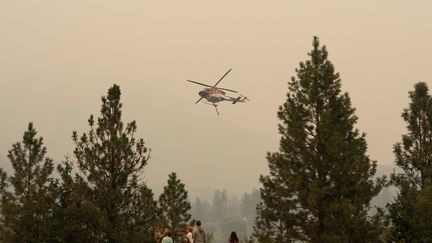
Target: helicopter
[{"x": 213, "y": 94}]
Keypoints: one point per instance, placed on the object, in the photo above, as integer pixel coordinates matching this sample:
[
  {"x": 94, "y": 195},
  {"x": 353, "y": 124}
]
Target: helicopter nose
[{"x": 202, "y": 94}]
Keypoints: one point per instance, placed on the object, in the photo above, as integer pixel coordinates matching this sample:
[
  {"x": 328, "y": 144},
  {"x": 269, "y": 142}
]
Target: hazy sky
[{"x": 57, "y": 58}]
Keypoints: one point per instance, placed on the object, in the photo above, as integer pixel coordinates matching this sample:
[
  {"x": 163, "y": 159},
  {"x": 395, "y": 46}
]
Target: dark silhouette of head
[{"x": 198, "y": 223}]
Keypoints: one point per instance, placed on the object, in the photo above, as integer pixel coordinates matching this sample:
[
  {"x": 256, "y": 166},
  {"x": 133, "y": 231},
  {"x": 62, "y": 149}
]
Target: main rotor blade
[
  {"x": 195, "y": 82},
  {"x": 222, "y": 77},
  {"x": 199, "y": 100},
  {"x": 227, "y": 90}
]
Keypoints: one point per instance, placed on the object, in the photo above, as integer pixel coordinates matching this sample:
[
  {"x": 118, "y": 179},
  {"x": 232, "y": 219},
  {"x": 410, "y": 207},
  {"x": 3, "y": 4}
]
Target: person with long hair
[{"x": 233, "y": 238}]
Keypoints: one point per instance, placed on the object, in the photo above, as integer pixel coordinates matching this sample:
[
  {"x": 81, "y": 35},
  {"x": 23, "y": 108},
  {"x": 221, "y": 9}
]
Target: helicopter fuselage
[{"x": 214, "y": 95}]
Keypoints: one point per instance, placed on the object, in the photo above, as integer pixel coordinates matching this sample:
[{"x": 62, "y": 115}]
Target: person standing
[{"x": 198, "y": 234}]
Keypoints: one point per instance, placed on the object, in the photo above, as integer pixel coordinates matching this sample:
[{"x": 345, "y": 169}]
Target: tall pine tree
[
  {"x": 26, "y": 211},
  {"x": 175, "y": 205},
  {"x": 111, "y": 160},
  {"x": 411, "y": 212},
  {"x": 320, "y": 183}
]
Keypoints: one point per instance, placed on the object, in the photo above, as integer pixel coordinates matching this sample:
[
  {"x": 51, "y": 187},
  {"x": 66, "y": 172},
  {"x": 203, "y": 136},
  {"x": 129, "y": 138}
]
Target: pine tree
[
  {"x": 175, "y": 205},
  {"x": 320, "y": 183},
  {"x": 411, "y": 212},
  {"x": 26, "y": 210},
  {"x": 111, "y": 159}
]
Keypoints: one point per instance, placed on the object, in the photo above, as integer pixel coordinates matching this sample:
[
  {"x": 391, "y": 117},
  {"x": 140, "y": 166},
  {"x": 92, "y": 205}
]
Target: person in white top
[{"x": 189, "y": 234}]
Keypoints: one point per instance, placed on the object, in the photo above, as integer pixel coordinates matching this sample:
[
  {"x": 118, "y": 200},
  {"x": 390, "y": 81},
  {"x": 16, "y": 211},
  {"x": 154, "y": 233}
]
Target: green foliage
[
  {"x": 320, "y": 182},
  {"x": 75, "y": 215},
  {"x": 111, "y": 159},
  {"x": 414, "y": 153},
  {"x": 27, "y": 209},
  {"x": 175, "y": 205},
  {"x": 411, "y": 212}
]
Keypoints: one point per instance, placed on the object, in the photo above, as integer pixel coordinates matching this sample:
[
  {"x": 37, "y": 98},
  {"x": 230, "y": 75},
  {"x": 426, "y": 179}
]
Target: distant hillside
[
  {"x": 387, "y": 194},
  {"x": 385, "y": 169},
  {"x": 206, "y": 193}
]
